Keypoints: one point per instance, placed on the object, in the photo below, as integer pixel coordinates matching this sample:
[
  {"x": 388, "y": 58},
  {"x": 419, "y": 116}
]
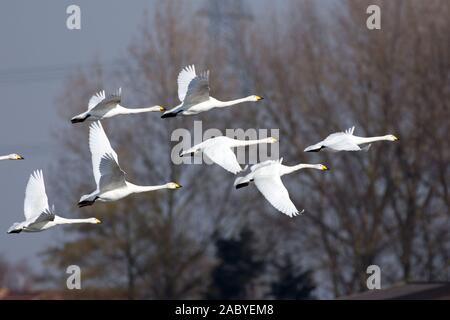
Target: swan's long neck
[
  {"x": 240, "y": 143},
  {"x": 4, "y": 157},
  {"x": 363, "y": 140},
  {"x": 290, "y": 169},
  {"x": 139, "y": 189},
  {"x": 124, "y": 110},
  {"x": 221, "y": 104},
  {"x": 60, "y": 220}
]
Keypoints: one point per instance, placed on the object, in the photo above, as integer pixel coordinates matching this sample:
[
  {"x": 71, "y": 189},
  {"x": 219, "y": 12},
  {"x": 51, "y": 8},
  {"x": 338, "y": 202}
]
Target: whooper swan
[
  {"x": 218, "y": 150},
  {"x": 38, "y": 215},
  {"x": 193, "y": 92},
  {"x": 109, "y": 177},
  {"x": 346, "y": 141},
  {"x": 101, "y": 107},
  {"x": 267, "y": 178}
]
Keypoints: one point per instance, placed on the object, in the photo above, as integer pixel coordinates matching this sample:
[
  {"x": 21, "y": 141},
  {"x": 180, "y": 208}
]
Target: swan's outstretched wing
[
  {"x": 112, "y": 176},
  {"x": 44, "y": 217},
  {"x": 184, "y": 78},
  {"x": 276, "y": 193},
  {"x": 198, "y": 90},
  {"x": 224, "y": 157},
  {"x": 99, "y": 146},
  {"x": 36, "y": 201},
  {"x": 264, "y": 164},
  {"x": 100, "y": 101}
]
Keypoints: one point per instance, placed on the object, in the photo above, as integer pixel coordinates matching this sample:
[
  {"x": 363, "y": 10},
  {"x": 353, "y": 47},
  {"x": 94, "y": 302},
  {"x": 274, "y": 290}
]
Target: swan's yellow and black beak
[
  {"x": 324, "y": 168},
  {"x": 177, "y": 185},
  {"x": 162, "y": 109},
  {"x": 19, "y": 157},
  {"x": 97, "y": 221},
  {"x": 395, "y": 138},
  {"x": 259, "y": 98}
]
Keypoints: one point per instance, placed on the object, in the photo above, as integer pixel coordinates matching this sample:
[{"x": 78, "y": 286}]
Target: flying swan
[
  {"x": 267, "y": 178},
  {"x": 101, "y": 107},
  {"x": 38, "y": 215},
  {"x": 218, "y": 150},
  {"x": 13, "y": 156},
  {"x": 193, "y": 92},
  {"x": 346, "y": 141},
  {"x": 109, "y": 177}
]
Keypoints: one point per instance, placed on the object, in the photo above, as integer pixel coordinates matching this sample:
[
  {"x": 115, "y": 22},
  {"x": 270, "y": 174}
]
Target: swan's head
[
  {"x": 391, "y": 137},
  {"x": 255, "y": 98},
  {"x": 173, "y": 185},
  {"x": 94, "y": 221},
  {"x": 15, "y": 156},
  {"x": 161, "y": 109},
  {"x": 317, "y": 166},
  {"x": 272, "y": 140}
]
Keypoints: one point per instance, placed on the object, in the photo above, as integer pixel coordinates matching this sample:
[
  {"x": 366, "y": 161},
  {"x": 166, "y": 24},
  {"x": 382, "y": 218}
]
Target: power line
[{"x": 45, "y": 73}]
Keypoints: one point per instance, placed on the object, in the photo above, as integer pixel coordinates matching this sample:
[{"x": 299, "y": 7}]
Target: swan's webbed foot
[
  {"x": 14, "y": 231},
  {"x": 242, "y": 185},
  {"x": 316, "y": 150},
  {"x": 86, "y": 203},
  {"x": 168, "y": 115}
]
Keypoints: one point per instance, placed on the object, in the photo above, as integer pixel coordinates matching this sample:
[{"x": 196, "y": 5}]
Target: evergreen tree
[
  {"x": 238, "y": 267},
  {"x": 292, "y": 283}
]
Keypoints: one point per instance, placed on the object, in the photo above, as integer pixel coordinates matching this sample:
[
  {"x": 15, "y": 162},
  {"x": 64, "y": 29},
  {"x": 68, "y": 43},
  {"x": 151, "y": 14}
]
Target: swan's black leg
[{"x": 75, "y": 120}]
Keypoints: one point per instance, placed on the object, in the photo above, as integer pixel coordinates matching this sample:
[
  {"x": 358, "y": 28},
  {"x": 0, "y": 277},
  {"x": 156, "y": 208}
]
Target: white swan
[
  {"x": 346, "y": 141},
  {"x": 193, "y": 92},
  {"x": 102, "y": 107},
  {"x": 38, "y": 215},
  {"x": 109, "y": 177},
  {"x": 218, "y": 150},
  {"x": 13, "y": 156},
  {"x": 267, "y": 178}
]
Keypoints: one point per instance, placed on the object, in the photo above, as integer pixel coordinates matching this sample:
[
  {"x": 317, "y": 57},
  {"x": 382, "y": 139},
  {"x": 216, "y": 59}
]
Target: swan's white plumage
[
  {"x": 346, "y": 141},
  {"x": 193, "y": 92},
  {"x": 36, "y": 201},
  {"x": 218, "y": 150},
  {"x": 100, "y": 146},
  {"x": 224, "y": 157},
  {"x": 109, "y": 177},
  {"x": 184, "y": 78},
  {"x": 198, "y": 90},
  {"x": 338, "y": 141},
  {"x": 112, "y": 176},
  {"x": 100, "y": 101},
  {"x": 275, "y": 192},
  {"x": 96, "y": 99},
  {"x": 38, "y": 215}
]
